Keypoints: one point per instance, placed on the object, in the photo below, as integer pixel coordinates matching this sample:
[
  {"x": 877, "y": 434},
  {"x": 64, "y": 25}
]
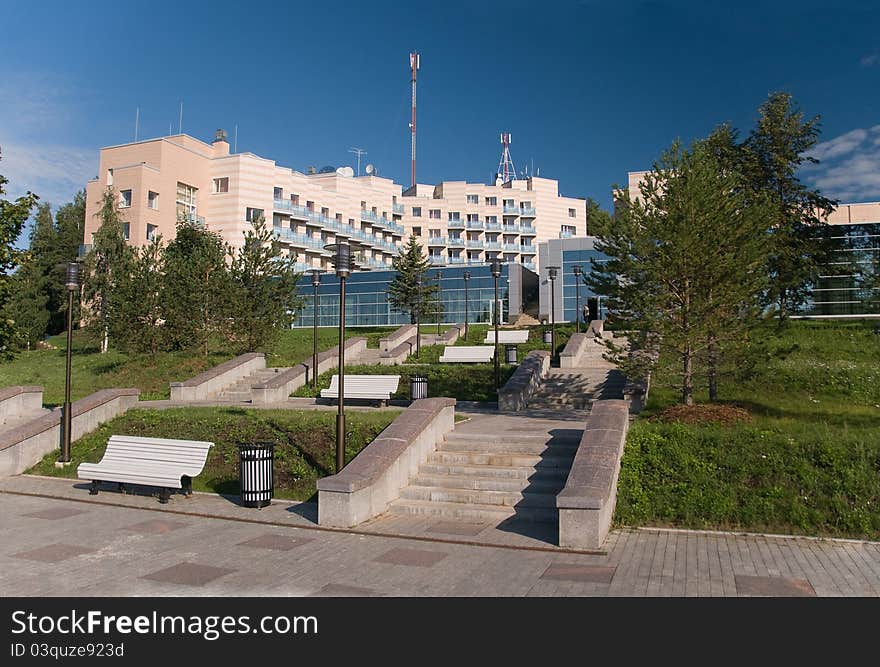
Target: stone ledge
[
  {"x": 219, "y": 370},
  {"x": 392, "y": 341},
  {"x": 375, "y": 476},
  {"x": 526, "y": 378},
  {"x": 587, "y": 501},
  {"x": 11, "y": 392}
]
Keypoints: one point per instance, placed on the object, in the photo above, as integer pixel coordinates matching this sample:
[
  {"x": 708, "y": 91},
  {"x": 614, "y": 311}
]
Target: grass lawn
[
  {"x": 151, "y": 373},
  {"x": 806, "y": 462},
  {"x": 305, "y": 442}
]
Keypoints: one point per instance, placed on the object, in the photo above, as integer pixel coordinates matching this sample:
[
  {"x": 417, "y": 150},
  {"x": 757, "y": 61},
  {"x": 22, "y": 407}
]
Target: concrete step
[
  {"x": 475, "y": 513},
  {"x": 564, "y": 448},
  {"x": 479, "y": 497},
  {"x": 566, "y": 436},
  {"x": 501, "y": 459},
  {"x": 236, "y": 395},
  {"x": 537, "y": 483},
  {"x": 492, "y": 471}
]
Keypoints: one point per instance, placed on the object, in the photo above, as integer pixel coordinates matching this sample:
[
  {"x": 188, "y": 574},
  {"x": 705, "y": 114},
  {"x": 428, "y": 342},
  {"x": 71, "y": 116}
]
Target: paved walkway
[{"x": 55, "y": 539}]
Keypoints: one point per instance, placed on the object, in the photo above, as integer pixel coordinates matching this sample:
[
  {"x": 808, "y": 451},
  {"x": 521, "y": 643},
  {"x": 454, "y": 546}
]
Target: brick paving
[{"x": 65, "y": 542}]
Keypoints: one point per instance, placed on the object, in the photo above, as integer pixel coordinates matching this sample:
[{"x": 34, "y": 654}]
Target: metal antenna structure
[
  {"x": 358, "y": 151},
  {"x": 414, "y": 66},
  {"x": 505, "y": 166}
]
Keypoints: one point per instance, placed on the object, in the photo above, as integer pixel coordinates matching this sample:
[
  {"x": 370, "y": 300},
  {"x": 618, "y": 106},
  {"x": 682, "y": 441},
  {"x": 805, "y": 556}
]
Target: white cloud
[
  {"x": 850, "y": 166},
  {"x": 870, "y": 60},
  {"x": 54, "y": 172}
]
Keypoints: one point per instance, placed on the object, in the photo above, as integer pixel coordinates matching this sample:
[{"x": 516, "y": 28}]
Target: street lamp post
[
  {"x": 418, "y": 315},
  {"x": 576, "y": 269},
  {"x": 466, "y": 276},
  {"x": 316, "y": 280},
  {"x": 342, "y": 261},
  {"x": 439, "y": 302},
  {"x": 496, "y": 273},
  {"x": 72, "y": 285},
  {"x": 551, "y": 273}
]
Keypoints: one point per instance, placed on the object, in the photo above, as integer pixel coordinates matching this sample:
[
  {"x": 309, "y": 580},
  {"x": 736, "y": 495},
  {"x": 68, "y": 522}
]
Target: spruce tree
[
  {"x": 404, "y": 293},
  {"x": 136, "y": 320},
  {"x": 27, "y": 305},
  {"x": 196, "y": 288}
]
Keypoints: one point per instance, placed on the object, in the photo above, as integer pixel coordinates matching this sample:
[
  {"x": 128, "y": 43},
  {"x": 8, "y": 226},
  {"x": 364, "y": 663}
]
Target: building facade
[
  {"x": 159, "y": 181},
  {"x": 567, "y": 291}
]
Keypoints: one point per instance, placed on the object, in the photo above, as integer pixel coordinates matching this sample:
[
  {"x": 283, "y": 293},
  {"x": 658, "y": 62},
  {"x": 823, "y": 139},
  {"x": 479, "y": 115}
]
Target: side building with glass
[
  {"x": 568, "y": 287},
  {"x": 366, "y": 296}
]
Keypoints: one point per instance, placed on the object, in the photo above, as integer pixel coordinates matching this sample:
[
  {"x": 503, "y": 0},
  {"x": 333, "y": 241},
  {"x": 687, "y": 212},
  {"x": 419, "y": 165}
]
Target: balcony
[
  {"x": 398, "y": 208},
  {"x": 474, "y": 224},
  {"x": 302, "y": 267},
  {"x": 437, "y": 260},
  {"x": 527, "y": 212},
  {"x": 510, "y": 247},
  {"x": 492, "y": 245},
  {"x": 295, "y": 210},
  {"x": 455, "y": 260},
  {"x": 475, "y": 244},
  {"x": 511, "y": 210},
  {"x": 476, "y": 261},
  {"x": 456, "y": 224},
  {"x": 294, "y": 238},
  {"x": 528, "y": 248},
  {"x": 530, "y": 266},
  {"x": 369, "y": 216},
  {"x": 566, "y": 235},
  {"x": 493, "y": 226},
  {"x": 510, "y": 229},
  {"x": 528, "y": 230},
  {"x": 436, "y": 240},
  {"x": 453, "y": 242}
]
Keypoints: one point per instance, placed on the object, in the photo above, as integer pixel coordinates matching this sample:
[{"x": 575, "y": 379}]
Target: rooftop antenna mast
[
  {"x": 137, "y": 118},
  {"x": 235, "y": 140},
  {"x": 505, "y": 166},
  {"x": 180, "y": 119},
  {"x": 414, "y": 66},
  {"x": 357, "y": 151}
]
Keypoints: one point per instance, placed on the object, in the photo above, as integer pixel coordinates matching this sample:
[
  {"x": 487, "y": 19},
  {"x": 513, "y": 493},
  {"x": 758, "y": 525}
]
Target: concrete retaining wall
[
  {"x": 573, "y": 353},
  {"x": 404, "y": 333},
  {"x": 374, "y": 478},
  {"x": 586, "y": 503},
  {"x": 210, "y": 383},
  {"x": 23, "y": 446},
  {"x": 282, "y": 385},
  {"x": 399, "y": 354},
  {"x": 525, "y": 380},
  {"x": 17, "y": 401}
]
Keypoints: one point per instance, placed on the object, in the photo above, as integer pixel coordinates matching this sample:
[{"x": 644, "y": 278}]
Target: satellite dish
[
  {"x": 326, "y": 170},
  {"x": 345, "y": 171},
  {"x": 370, "y": 169}
]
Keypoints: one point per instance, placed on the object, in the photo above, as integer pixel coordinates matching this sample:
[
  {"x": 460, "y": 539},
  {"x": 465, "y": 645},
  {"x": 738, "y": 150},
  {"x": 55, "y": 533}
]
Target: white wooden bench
[
  {"x": 467, "y": 354},
  {"x": 375, "y": 387},
  {"x": 163, "y": 462},
  {"x": 507, "y": 336}
]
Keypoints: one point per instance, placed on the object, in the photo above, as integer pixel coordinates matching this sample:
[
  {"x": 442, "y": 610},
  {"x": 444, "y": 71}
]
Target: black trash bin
[
  {"x": 510, "y": 353},
  {"x": 418, "y": 387},
  {"x": 256, "y": 473}
]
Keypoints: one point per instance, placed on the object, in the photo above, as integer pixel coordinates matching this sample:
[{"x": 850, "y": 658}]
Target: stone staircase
[
  {"x": 10, "y": 423},
  {"x": 577, "y": 388},
  {"x": 241, "y": 390},
  {"x": 494, "y": 469}
]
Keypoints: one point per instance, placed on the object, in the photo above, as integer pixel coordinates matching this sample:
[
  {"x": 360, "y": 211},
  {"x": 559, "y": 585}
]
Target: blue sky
[{"x": 590, "y": 90}]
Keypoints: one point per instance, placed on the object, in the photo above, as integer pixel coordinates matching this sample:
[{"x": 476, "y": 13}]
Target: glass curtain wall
[
  {"x": 569, "y": 290},
  {"x": 366, "y": 298}
]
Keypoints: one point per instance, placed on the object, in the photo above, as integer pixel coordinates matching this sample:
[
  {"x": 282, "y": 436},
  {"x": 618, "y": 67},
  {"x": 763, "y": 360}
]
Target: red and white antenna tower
[
  {"x": 414, "y": 66},
  {"x": 506, "y": 170}
]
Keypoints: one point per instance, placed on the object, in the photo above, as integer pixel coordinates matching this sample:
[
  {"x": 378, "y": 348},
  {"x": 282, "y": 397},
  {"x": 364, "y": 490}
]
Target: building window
[
  {"x": 454, "y": 216},
  {"x": 339, "y": 218},
  {"x": 186, "y": 202},
  {"x": 417, "y": 211},
  {"x": 278, "y": 193},
  {"x": 126, "y": 230},
  {"x": 153, "y": 200},
  {"x": 434, "y": 233},
  {"x": 473, "y": 217},
  {"x": 294, "y": 199},
  {"x": 572, "y": 213},
  {"x": 417, "y": 231},
  {"x": 509, "y": 202},
  {"x": 473, "y": 199},
  {"x": 569, "y": 230},
  {"x": 528, "y": 204},
  {"x": 221, "y": 185},
  {"x": 151, "y": 231},
  {"x": 124, "y": 198},
  {"x": 491, "y": 201},
  {"x": 492, "y": 219},
  {"x": 251, "y": 214},
  {"x": 434, "y": 214}
]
